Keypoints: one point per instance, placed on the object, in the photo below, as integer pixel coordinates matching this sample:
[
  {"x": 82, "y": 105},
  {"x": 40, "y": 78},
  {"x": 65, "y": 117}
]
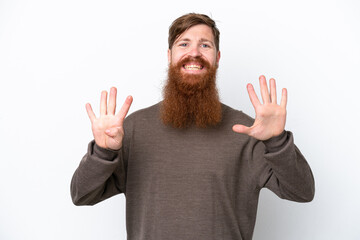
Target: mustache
[{"x": 197, "y": 59}]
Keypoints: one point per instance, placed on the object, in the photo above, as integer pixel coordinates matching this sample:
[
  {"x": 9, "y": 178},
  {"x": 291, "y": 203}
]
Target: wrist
[
  {"x": 104, "y": 153},
  {"x": 274, "y": 143}
]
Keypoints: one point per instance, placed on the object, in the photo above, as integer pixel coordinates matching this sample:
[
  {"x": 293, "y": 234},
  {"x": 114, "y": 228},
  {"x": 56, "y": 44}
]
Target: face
[
  {"x": 190, "y": 94},
  {"x": 196, "y": 42}
]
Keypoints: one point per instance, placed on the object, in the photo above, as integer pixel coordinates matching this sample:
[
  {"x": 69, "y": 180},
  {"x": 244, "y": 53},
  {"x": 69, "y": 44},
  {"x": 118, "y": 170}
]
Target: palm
[
  {"x": 108, "y": 127},
  {"x": 270, "y": 117},
  {"x": 99, "y": 127}
]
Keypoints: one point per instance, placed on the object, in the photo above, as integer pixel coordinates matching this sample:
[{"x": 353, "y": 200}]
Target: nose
[{"x": 195, "y": 51}]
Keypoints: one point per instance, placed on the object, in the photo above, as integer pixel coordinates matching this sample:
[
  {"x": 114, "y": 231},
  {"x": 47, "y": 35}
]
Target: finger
[
  {"x": 112, "y": 132},
  {"x": 241, "y": 129},
  {"x": 273, "y": 91},
  {"x": 112, "y": 101},
  {"x": 90, "y": 112},
  {"x": 125, "y": 108},
  {"x": 264, "y": 89},
  {"x": 253, "y": 97},
  {"x": 103, "y": 104},
  {"x": 283, "y": 102}
]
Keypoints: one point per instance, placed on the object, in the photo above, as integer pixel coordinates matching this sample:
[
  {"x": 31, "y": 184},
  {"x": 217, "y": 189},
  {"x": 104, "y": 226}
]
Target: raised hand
[
  {"x": 108, "y": 128},
  {"x": 270, "y": 117}
]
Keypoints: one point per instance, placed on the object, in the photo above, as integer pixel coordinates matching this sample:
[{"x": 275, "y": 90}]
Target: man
[{"x": 189, "y": 166}]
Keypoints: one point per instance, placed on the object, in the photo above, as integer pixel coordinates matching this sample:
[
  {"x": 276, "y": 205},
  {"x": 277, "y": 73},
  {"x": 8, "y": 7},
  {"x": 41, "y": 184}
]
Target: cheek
[
  {"x": 177, "y": 56},
  {"x": 175, "y": 59},
  {"x": 212, "y": 57},
  {"x": 209, "y": 60}
]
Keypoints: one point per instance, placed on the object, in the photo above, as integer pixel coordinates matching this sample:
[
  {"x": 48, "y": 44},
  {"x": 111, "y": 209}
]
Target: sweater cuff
[
  {"x": 104, "y": 153},
  {"x": 274, "y": 144}
]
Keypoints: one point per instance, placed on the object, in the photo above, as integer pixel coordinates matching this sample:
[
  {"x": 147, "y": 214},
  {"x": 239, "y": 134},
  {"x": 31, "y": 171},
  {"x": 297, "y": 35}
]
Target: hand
[
  {"x": 270, "y": 117},
  {"x": 108, "y": 128}
]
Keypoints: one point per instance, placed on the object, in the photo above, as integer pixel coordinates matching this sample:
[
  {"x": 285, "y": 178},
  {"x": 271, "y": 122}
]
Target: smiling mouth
[{"x": 193, "y": 67}]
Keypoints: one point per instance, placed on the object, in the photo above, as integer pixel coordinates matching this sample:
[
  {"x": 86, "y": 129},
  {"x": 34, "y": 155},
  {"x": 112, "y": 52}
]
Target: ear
[
  {"x": 169, "y": 56},
  {"x": 218, "y": 57}
]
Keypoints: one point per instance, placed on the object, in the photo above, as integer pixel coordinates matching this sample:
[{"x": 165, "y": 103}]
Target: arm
[
  {"x": 101, "y": 172},
  {"x": 285, "y": 171},
  {"x": 100, "y": 175},
  {"x": 278, "y": 162}
]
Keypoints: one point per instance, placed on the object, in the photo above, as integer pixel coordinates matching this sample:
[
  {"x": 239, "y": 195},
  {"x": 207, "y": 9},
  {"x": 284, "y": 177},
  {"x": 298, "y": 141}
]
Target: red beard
[{"x": 191, "y": 98}]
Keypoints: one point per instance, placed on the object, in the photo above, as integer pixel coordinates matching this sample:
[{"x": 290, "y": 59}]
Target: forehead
[{"x": 197, "y": 32}]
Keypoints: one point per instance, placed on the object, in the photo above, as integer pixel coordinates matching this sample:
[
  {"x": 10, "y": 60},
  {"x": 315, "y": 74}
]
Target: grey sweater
[{"x": 191, "y": 183}]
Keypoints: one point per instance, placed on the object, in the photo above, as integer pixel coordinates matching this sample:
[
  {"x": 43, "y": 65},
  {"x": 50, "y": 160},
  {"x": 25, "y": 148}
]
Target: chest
[{"x": 205, "y": 154}]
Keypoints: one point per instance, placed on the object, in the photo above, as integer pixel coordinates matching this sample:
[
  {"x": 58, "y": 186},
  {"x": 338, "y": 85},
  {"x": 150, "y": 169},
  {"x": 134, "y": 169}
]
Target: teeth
[{"x": 193, "y": 67}]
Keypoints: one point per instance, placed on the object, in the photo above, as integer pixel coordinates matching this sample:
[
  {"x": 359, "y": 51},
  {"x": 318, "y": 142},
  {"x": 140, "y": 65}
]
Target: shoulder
[
  {"x": 145, "y": 112},
  {"x": 149, "y": 114},
  {"x": 233, "y": 116}
]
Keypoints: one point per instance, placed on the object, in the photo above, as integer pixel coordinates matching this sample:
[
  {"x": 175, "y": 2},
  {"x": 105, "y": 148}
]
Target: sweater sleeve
[
  {"x": 100, "y": 175},
  {"x": 285, "y": 170}
]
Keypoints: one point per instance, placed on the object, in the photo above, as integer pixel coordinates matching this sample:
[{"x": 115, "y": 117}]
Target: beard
[{"x": 191, "y": 99}]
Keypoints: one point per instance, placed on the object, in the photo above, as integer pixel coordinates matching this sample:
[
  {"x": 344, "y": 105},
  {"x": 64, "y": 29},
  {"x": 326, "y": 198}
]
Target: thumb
[
  {"x": 112, "y": 132},
  {"x": 241, "y": 129}
]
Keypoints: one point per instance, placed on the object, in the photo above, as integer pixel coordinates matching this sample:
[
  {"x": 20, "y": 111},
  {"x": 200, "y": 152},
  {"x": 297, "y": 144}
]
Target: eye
[
  {"x": 205, "y": 45},
  {"x": 183, "y": 44}
]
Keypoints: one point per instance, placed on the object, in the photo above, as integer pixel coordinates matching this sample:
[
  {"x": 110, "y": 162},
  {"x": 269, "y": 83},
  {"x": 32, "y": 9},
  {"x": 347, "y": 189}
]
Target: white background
[{"x": 57, "y": 55}]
